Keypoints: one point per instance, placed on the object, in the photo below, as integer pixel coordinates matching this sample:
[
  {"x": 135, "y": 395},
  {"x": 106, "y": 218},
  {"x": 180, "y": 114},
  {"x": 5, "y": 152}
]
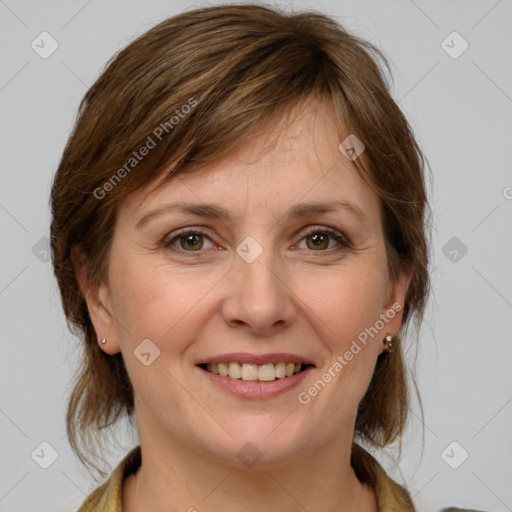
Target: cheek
[
  {"x": 347, "y": 308},
  {"x": 348, "y": 303},
  {"x": 156, "y": 302}
]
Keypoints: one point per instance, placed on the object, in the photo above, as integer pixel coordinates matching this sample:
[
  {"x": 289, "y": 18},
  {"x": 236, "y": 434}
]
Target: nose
[{"x": 259, "y": 298}]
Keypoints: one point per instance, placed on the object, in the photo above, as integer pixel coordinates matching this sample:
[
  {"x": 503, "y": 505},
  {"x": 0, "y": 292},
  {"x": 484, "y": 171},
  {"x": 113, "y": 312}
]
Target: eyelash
[{"x": 335, "y": 235}]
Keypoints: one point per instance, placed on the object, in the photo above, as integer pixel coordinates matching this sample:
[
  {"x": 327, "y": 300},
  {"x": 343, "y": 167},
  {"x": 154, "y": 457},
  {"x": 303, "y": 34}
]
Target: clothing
[{"x": 391, "y": 497}]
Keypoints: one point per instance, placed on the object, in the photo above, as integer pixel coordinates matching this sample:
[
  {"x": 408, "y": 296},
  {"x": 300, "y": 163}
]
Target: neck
[{"x": 173, "y": 478}]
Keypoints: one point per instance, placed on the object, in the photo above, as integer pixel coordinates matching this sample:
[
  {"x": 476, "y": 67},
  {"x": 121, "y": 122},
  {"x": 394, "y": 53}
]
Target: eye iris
[
  {"x": 191, "y": 241},
  {"x": 318, "y": 241}
]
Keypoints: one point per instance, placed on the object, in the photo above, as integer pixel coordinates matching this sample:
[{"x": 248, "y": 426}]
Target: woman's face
[{"x": 273, "y": 255}]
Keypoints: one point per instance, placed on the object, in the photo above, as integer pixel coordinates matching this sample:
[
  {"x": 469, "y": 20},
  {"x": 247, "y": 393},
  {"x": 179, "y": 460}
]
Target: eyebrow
[{"x": 217, "y": 212}]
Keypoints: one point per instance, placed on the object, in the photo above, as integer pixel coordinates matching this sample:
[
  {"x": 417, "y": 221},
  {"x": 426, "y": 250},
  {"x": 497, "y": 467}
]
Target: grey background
[{"x": 460, "y": 109}]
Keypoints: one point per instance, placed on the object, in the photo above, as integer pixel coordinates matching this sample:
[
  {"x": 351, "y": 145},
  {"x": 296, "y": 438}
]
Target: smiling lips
[
  {"x": 251, "y": 372},
  {"x": 249, "y": 367}
]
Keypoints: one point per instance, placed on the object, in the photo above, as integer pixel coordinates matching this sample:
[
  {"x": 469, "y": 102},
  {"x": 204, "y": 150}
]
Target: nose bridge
[
  {"x": 261, "y": 275},
  {"x": 258, "y": 296}
]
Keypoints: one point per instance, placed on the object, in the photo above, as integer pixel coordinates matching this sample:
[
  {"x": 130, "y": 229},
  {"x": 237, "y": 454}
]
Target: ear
[
  {"x": 395, "y": 301},
  {"x": 98, "y": 304}
]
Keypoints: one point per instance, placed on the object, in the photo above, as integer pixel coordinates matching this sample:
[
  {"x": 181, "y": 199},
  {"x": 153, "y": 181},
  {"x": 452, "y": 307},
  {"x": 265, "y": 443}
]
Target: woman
[{"x": 239, "y": 236}]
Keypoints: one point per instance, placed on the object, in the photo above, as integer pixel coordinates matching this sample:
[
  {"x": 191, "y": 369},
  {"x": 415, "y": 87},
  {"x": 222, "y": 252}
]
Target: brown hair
[{"x": 191, "y": 90}]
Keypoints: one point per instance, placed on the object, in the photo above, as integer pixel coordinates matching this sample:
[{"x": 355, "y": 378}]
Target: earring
[
  {"x": 389, "y": 342},
  {"x": 103, "y": 341}
]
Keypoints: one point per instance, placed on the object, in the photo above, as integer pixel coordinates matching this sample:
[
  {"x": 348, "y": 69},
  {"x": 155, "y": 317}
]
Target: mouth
[
  {"x": 255, "y": 376},
  {"x": 251, "y": 372}
]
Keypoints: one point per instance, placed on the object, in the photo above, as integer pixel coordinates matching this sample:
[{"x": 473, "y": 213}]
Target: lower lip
[{"x": 256, "y": 390}]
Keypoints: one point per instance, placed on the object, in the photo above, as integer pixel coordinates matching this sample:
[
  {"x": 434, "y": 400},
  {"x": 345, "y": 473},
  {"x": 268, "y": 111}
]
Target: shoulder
[
  {"x": 391, "y": 496},
  {"x": 108, "y": 496},
  {"x": 453, "y": 509}
]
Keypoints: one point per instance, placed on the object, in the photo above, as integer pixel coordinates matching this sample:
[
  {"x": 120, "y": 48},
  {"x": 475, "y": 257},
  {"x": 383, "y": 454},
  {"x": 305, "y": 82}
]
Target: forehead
[{"x": 292, "y": 160}]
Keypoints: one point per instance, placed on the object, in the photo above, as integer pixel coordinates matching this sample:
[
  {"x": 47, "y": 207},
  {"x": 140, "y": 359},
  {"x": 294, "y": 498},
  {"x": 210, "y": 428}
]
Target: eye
[
  {"x": 319, "y": 239},
  {"x": 187, "y": 240}
]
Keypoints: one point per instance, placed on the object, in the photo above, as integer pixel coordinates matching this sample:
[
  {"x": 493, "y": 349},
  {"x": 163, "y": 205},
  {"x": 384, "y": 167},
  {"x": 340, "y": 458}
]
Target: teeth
[
  {"x": 223, "y": 369},
  {"x": 235, "y": 371},
  {"x": 251, "y": 372},
  {"x": 280, "y": 370},
  {"x": 266, "y": 372}
]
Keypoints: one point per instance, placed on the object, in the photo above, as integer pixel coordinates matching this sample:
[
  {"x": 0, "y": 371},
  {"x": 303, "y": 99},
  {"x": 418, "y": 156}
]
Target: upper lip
[{"x": 259, "y": 359}]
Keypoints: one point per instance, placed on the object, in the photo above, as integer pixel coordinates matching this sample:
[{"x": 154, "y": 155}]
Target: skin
[{"x": 295, "y": 297}]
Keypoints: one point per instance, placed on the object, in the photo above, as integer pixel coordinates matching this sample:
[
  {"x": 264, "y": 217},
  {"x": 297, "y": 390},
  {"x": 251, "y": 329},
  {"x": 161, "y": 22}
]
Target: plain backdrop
[{"x": 453, "y": 79}]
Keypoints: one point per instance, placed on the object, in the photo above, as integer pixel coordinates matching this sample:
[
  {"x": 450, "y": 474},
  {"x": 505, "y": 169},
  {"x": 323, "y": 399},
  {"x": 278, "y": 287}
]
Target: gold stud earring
[
  {"x": 103, "y": 341},
  {"x": 389, "y": 342}
]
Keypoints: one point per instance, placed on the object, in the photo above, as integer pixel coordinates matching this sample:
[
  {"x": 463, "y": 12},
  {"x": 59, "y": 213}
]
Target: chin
[{"x": 259, "y": 442}]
